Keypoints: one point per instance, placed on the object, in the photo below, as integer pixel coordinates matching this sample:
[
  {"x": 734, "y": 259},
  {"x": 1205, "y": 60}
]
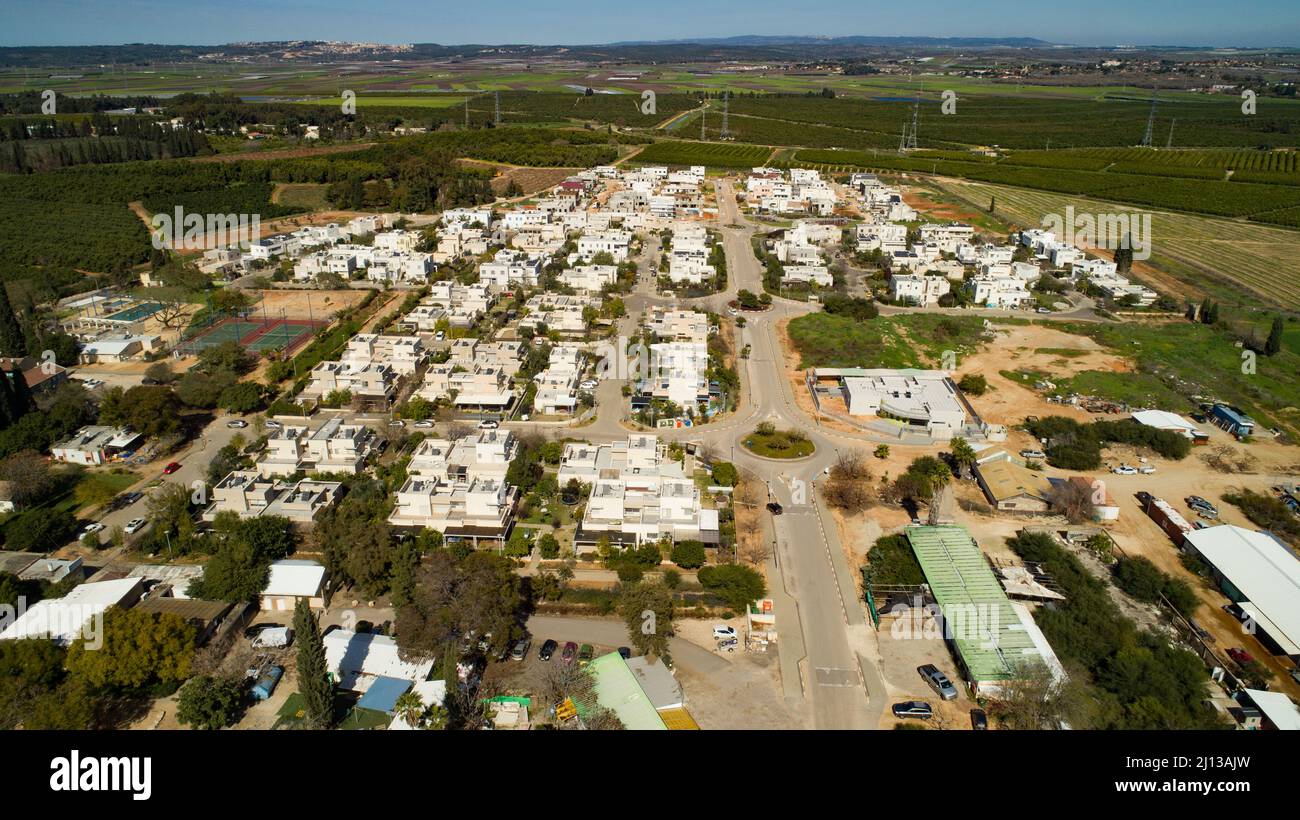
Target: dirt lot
[
  {"x": 1009, "y": 402},
  {"x": 308, "y": 304},
  {"x": 907, "y": 642}
]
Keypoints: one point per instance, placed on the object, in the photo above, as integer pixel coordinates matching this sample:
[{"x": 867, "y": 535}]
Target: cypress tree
[
  {"x": 313, "y": 676},
  {"x": 12, "y": 341},
  {"x": 1274, "y": 343}
]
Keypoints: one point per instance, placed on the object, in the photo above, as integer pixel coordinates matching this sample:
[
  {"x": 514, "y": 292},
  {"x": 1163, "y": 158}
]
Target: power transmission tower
[
  {"x": 703, "y": 113},
  {"x": 726, "y": 109},
  {"x": 496, "y": 96},
  {"x": 1151, "y": 120},
  {"x": 467, "y": 112},
  {"x": 1170, "y": 142}
]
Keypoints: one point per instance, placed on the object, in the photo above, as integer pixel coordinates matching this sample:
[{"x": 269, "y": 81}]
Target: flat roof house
[
  {"x": 291, "y": 579},
  {"x": 96, "y": 445}
]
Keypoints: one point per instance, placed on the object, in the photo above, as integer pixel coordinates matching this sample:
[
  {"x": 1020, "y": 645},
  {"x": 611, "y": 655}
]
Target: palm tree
[
  {"x": 410, "y": 708},
  {"x": 963, "y": 455}
]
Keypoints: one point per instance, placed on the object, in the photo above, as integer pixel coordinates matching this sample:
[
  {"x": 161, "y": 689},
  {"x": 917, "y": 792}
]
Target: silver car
[{"x": 938, "y": 681}]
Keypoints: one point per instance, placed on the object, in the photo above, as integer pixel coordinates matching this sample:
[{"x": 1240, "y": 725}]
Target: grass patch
[
  {"x": 769, "y": 442},
  {"x": 911, "y": 340}
]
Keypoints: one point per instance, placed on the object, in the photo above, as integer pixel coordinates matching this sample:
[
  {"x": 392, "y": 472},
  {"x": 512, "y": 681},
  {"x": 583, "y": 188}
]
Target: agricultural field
[
  {"x": 1200, "y": 256},
  {"x": 713, "y": 154}
]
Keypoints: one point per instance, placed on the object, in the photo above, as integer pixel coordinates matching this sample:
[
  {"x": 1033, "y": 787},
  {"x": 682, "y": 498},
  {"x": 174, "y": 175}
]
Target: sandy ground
[
  {"x": 1009, "y": 402},
  {"x": 308, "y": 304}
]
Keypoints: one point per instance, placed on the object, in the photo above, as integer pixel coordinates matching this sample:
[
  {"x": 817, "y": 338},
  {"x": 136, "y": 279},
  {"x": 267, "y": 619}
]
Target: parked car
[
  {"x": 255, "y": 629},
  {"x": 1032, "y": 454},
  {"x": 238, "y": 424},
  {"x": 89, "y": 528},
  {"x": 548, "y": 649},
  {"x": 521, "y": 649},
  {"x": 585, "y": 654},
  {"x": 274, "y": 637},
  {"x": 624, "y": 652},
  {"x": 135, "y": 525},
  {"x": 728, "y": 645},
  {"x": 1147, "y": 469},
  {"x": 938, "y": 681},
  {"x": 722, "y": 631},
  {"x": 424, "y": 424},
  {"x": 913, "y": 709},
  {"x": 570, "y": 652},
  {"x": 589, "y": 384},
  {"x": 1124, "y": 469},
  {"x": 171, "y": 468},
  {"x": 396, "y": 423},
  {"x": 1240, "y": 655},
  {"x": 979, "y": 720},
  {"x": 488, "y": 424},
  {"x": 273, "y": 423},
  {"x": 775, "y": 508}
]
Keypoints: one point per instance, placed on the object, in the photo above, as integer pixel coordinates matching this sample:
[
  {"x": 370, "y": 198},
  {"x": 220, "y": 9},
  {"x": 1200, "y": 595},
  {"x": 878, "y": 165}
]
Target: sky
[{"x": 551, "y": 22}]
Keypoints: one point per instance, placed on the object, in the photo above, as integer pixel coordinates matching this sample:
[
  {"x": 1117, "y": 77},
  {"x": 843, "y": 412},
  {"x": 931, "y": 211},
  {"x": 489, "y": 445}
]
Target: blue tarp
[{"x": 383, "y": 694}]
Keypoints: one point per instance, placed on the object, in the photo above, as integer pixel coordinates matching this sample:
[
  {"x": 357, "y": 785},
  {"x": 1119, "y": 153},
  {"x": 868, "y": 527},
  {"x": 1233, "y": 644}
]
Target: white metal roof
[
  {"x": 297, "y": 578},
  {"x": 1164, "y": 420},
  {"x": 357, "y": 658},
  {"x": 64, "y": 619},
  {"x": 1263, "y": 570},
  {"x": 1277, "y": 707}
]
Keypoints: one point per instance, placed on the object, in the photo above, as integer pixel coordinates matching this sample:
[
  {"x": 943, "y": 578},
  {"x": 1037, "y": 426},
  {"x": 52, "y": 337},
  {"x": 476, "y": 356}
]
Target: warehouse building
[
  {"x": 1258, "y": 574},
  {"x": 993, "y": 639}
]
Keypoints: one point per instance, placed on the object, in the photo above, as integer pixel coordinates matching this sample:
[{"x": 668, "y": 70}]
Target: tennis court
[
  {"x": 226, "y": 331},
  {"x": 287, "y": 335}
]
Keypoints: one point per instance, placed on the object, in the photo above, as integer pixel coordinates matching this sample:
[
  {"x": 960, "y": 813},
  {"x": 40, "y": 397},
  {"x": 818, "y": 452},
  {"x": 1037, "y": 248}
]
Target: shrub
[{"x": 689, "y": 554}]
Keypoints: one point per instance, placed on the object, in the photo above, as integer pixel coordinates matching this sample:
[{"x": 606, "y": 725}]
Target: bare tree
[
  {"x": 1072, "y": 500},
  {"x": 848, "y": 487}
]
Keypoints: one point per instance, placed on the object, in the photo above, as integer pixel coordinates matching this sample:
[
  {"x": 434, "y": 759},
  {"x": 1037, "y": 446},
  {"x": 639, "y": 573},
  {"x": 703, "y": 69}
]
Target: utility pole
[{"x": 1151, "y": 120}]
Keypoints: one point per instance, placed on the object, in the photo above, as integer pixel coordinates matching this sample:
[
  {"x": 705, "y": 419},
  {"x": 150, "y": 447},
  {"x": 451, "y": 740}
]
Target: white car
[
  {"x": 237, "y": 423},
  {"x": 273, "y": 423},
  {"x": 723, "y": 632},
  {"x": 488, "y": 424},
  {"x": 1124, "y": 469},
  {"x": 589, "y": 384},
  {"x": 95, "y": 527},
  {"x": 424, "y": 424},
  {"x": 135, "y": 525},
  {"x": 1032, "y": 454},
  {"x": 1147, "y": 470}
]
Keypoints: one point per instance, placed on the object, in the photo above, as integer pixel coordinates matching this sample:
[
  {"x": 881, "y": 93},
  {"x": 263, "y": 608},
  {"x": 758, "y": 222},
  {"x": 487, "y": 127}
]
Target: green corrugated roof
[
  {"x": 963, "y": 582},
  {"x": 617, "y": 690}
]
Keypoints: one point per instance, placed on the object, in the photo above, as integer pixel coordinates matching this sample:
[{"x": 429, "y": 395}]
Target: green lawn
[{"x": 778, "y": 444}]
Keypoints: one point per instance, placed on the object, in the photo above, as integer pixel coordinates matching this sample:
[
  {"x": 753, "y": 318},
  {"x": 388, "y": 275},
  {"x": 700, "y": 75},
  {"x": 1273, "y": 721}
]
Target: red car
[
  {"x": 1241, "y": 656},
  {"x": 171, "y": 468},
  {"x": 570, "y": 652}
]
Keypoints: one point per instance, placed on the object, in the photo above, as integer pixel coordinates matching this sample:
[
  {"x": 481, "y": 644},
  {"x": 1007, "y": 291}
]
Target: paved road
[
  {"x": 613, "y": 632},
  {"x": 194, "y": 466}
]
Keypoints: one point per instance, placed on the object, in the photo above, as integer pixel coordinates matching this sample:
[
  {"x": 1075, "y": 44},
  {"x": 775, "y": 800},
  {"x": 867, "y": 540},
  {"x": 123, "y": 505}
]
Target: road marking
[{"x": 836, "y": 677}]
